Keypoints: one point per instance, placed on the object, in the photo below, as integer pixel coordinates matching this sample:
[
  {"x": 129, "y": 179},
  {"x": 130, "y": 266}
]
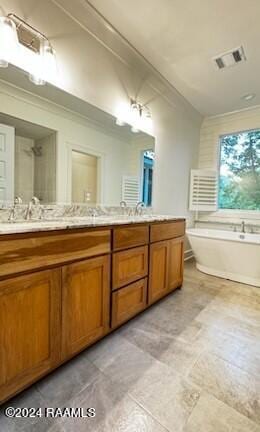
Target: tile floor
[{"x": 190, "y": 363}]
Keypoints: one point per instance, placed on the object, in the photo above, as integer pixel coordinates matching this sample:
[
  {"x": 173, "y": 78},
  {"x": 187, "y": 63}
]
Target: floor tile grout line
[
  {"x": 196, "y": 403},
  {"x": 148, "y": 412},
  {"x": 234, "y": 365},
  {"x": 126, "y": 393},
  {"x": 218, "y": 327},
  {"x": 206, "y": 392}
]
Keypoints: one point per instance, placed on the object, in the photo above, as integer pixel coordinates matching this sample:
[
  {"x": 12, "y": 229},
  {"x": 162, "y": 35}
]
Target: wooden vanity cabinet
[
  {"x": 30, "y": 309},
  {"x": 175, "y": 263},
  {"x": 128, "y": 237},
  {"x": 85, "y": 303},
  {"x": 166, "y": 259},
  {"x": 159, "y": 271},
  {"x": 62, "y": 291},
  {"x": 129, "y": 265}
]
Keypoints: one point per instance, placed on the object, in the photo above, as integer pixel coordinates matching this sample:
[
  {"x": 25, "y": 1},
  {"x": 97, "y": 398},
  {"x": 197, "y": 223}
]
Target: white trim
[
  {"x": 232, "y": 112},
  {"x": 237, "y": 132},
  {"x": 188, "y": 254},
  {"x": 244, "y": 214},
  {"x": 231, "y": 213}
]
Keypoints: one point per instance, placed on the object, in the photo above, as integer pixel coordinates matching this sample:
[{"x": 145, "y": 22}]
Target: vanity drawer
[
  {"x": 128, "y": 301},
  {"x": 126, "y": 237},
  {"x": 129, "y": 266},
  {"x": 38, "y": 250},
  {"x": 164, "y": 231}
]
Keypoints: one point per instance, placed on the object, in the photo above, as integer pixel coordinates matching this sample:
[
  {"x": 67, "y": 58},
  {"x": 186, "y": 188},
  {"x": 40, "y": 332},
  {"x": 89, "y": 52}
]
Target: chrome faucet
[
  {"x": 123, "y": 206},
  {"x": 243, "y": 226},
  {"x": 138, "y": 208},
  {"x": 94, "y": 213},
  {"x": 34, "y": 202},
  {"x": 18, "y": 200}
]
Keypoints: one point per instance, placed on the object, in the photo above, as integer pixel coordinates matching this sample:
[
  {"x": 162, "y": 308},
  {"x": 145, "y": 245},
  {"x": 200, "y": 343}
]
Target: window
[
  {"x": 148, "y": 163},
  {"x": 239, "y": 177}
]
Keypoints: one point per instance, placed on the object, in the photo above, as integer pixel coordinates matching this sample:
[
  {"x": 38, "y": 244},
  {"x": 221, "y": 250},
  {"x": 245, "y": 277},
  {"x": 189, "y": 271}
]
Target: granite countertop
[{"x": 63, "y": 223}]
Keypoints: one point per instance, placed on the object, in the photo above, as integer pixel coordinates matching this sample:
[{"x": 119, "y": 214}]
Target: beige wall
[{"x": 211, "y": 130}]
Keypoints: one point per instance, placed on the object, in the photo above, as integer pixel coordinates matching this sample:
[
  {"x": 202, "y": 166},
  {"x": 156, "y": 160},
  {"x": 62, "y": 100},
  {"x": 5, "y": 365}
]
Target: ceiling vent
[{"x": 230, "y": 58}]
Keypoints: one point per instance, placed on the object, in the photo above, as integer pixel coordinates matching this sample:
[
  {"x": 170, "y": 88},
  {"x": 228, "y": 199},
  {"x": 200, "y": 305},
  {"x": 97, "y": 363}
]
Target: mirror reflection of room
[
  {"x": 29, "y": 160},
  {"x": 69, "y": 152},
  {"x": 147, "y": 181}
]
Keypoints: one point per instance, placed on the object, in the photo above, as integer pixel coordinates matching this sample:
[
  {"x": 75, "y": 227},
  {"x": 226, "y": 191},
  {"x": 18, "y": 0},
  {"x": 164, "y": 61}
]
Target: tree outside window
[{"x": 239, "y": 179}]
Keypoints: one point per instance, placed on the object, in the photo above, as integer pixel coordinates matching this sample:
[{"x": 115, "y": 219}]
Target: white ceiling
[{"x": 179, "y": 38}]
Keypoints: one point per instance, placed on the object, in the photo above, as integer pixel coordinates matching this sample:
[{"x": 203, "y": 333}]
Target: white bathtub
[{"x": 227, "y": 254}]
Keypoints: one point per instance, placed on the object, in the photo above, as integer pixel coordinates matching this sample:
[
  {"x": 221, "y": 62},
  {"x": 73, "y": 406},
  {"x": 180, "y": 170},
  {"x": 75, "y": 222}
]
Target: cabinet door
[
  {"x": 85, "y": 303},
  {"x": 158, "y": 277},
  {"x": 175, "y": 264},
  {"x": 29, "y": 329},
  {"x": 129, "y": 266},
  {"x": 128, "y": 301}
]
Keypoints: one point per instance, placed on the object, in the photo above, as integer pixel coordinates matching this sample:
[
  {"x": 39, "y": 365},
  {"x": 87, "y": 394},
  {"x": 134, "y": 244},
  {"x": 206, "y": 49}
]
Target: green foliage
[{"x": 239, "y": 183}]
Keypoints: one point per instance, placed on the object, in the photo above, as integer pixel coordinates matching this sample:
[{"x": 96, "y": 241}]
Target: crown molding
[{"x": 230, "y": 113}]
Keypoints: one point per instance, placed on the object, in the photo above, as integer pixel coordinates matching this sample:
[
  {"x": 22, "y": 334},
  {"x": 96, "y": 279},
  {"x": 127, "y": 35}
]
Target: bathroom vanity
[{"x": 63, "y": 288}]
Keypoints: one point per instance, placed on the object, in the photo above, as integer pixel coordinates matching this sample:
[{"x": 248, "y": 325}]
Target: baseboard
[{"x": 188, "y": 254}]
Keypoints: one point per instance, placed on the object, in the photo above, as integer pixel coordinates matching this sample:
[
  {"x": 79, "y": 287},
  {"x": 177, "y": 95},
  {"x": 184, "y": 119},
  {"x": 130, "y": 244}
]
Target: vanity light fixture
[
  {"x": 25, "y": 47},
  {"x": 137, "y": 116}
]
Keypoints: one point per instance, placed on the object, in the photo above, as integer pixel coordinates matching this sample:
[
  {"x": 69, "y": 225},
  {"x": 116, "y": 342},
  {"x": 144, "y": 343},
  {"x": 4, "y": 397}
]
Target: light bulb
[
  {"x": 44, "y": 67},
  {"x": 36, "y": 72},
  {"x": 135, "y": 117},
  {"x": 49, "y": 62},
  {"x": 9, "y": 44}
]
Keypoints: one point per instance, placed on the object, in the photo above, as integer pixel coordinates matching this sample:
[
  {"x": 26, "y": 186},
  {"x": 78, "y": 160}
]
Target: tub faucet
[{"x": 243, "y": 226}]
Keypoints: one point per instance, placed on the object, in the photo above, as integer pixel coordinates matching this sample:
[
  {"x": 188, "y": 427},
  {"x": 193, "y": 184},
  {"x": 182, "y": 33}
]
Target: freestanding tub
[{"x": 227, "y": 254}]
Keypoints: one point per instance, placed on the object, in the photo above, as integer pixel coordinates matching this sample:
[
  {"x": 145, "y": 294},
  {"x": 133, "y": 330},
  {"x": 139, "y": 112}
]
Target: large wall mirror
[{"x": 63, "y": 150}]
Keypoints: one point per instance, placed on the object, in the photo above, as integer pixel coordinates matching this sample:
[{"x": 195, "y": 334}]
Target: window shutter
[
  {"x": 130, "y": 190},
  {"x": 203, "y": 190}
]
